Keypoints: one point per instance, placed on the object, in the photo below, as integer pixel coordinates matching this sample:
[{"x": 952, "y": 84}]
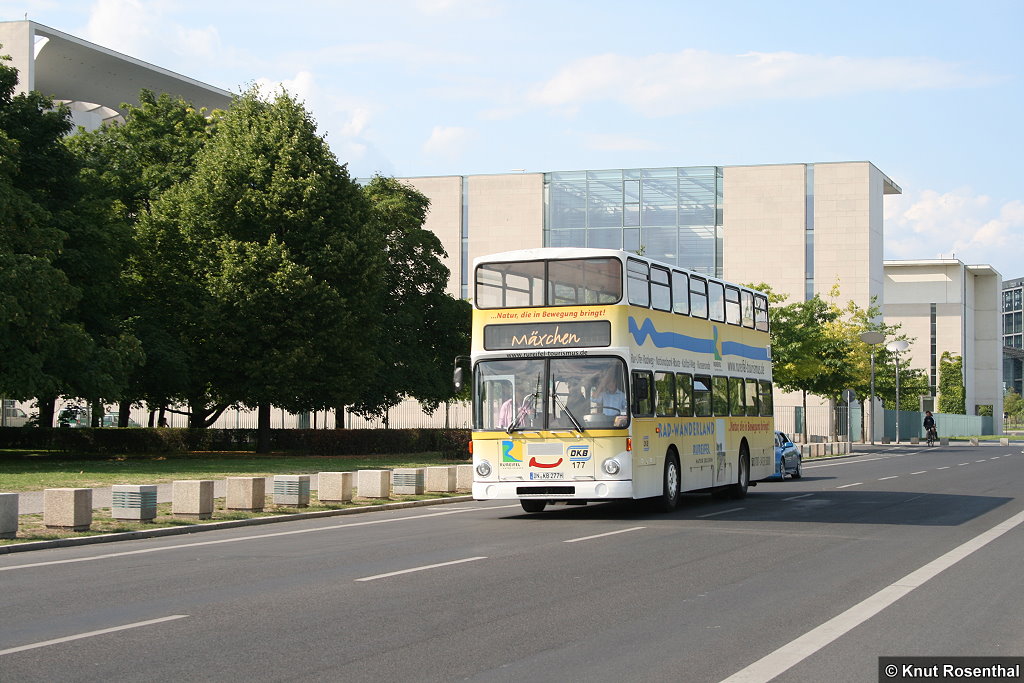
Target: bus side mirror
[{"x": 458, "y": 380}]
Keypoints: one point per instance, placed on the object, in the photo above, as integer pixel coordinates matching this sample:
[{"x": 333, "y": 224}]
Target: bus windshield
[
  {"x": 568, "y": 282},
  {"x": 550, "y": 393}
]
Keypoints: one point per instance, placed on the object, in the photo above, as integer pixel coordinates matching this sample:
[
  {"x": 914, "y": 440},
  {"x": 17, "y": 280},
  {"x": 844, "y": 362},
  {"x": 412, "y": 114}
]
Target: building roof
[{"x": 89, "y": 76}]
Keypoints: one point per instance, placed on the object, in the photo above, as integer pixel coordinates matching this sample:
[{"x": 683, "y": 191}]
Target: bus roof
[{"x": 547, "y": 253}]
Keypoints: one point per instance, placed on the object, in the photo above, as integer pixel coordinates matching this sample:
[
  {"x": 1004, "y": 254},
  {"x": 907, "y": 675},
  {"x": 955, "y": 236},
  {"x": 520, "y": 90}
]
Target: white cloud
[
  {"x": 145, "y": 30},
  {"x": 666, "y": 84},
  {"x": 448, "y": 141},
  {"x": 973, "y": 227}
]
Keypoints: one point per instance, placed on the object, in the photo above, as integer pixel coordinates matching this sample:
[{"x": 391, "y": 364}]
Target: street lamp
[
  {"x": 897, "y": 347},
  {"x": 872, "y": 339}
]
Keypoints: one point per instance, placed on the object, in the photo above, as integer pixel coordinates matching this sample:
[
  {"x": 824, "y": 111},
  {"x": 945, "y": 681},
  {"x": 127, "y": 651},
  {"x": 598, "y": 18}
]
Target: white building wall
[
  {"x": 444, "y": 219},
  {"x": 506, "y": 212},
  {"x": 966, "y": 302},
  {"x": 763, "y": 226}
]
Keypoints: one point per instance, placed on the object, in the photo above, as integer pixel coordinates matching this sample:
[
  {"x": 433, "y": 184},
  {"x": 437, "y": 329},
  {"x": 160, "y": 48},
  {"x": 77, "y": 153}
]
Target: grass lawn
[{"x": 37, "y": 470}]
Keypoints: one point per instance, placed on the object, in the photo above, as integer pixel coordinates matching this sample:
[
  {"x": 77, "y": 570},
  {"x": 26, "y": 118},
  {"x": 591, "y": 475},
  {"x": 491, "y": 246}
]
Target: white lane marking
[
  {"x": 982, "y": 460},
  {"x": 787, "y": 656},
  {"x": 720, "y": 512},
  {"x": 846, "y": 486},
  {"x": 921, "y": 472},
  {"x": 100, "y": 632},
  {"x": 610, "y": 533},
  {"x": 234, "y": 540},
  {"x": 420, "y": 569},
  {"x": 942, "y": 468},
  {"x": 799, "y": 497},
  {"x": 892, "y": 477},
  {"x": 963, "y": 464}
]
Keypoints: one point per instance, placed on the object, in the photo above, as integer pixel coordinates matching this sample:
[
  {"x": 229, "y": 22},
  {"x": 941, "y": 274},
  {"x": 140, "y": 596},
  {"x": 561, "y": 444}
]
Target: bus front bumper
[{"x": 553, "y": 490}]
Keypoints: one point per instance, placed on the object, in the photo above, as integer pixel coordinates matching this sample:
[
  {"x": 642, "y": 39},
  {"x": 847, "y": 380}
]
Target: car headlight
[
  {"x": 483, "y": 468},
  {"x": 611, "y": 466}
]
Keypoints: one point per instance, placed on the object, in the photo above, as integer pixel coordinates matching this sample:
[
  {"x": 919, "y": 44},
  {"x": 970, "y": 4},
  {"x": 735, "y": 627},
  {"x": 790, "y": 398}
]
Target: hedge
[{"x": 452, "y": 443}]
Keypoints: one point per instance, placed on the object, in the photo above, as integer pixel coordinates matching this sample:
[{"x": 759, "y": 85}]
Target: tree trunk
[
  {"x": 339, "y": 417},
  {"x": 263, "y": 428},
  {"x": 804, "y": 394},
  {"x": 124, "y": 411},
  {"x": 96, "y": 414},
  {"x": 47, "y": 408}
]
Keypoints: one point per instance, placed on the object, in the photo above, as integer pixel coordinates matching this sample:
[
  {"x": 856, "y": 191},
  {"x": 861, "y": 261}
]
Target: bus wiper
[
  {"x": 520, "y": 414},
  {"x": 565, "y": 409}
]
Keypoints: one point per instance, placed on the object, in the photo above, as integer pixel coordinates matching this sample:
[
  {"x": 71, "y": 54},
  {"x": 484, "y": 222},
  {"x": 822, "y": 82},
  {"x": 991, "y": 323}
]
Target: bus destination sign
[{"x": 573, "y": 335}]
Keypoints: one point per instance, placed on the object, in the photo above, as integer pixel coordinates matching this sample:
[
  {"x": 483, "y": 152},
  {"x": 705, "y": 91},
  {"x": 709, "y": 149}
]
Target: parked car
[
  {"x": 73, "y": 416},
  {"x": 111, "y": 421},
  {"x": 14, "y": 417},
  {"x": 788, "y": 459}
]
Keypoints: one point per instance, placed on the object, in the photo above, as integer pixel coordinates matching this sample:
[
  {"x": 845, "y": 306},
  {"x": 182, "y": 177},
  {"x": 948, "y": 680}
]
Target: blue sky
[{"x": 930, "y": 91}]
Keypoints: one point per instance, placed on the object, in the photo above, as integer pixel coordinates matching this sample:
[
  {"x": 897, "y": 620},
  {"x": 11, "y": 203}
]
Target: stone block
[
  {"x": 408, "y": 481},
  {"x": 974, "y": 441},
  {"x": 441, "y": 479},
  {"x": 1004, "y": 442},
  {"x": 805, "y": 450},
  {"x": 8, "y": 515},
  {"x": 67, "y": 509},
  {"x": 192, "y": 499},
  {"x": 943, "y": 440},
  {"x": 246, "y": 493},
  {"x": 133, "y": 501},
  {"x": 885, "y": 440},
  {"x": 464, "y": 477},
  {"x": 335, "y": 487},
  {"x": 915, "y": 440},
  {"x": 291, "y": 489},
  {"x": 373, "y": 483}
]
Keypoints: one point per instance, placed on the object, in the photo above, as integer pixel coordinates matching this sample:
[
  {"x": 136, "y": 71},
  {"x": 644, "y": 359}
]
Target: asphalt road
[{"x": 902, "y": 551}]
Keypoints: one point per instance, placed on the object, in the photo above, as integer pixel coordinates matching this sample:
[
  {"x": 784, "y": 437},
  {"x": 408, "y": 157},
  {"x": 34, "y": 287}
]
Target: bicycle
[{"x": 932, "y": 436}]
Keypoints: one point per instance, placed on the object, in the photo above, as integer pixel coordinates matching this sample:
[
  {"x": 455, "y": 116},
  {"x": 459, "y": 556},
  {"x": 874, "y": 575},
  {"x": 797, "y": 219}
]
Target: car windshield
[{"x": 557, "y": 393}]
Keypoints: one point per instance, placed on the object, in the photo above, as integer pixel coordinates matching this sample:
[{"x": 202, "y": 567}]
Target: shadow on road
[{"x": 904, "y": 508}]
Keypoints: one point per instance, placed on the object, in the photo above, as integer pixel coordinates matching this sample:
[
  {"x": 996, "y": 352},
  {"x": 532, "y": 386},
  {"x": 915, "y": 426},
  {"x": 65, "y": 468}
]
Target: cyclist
[{"x": 929, "y": 427}]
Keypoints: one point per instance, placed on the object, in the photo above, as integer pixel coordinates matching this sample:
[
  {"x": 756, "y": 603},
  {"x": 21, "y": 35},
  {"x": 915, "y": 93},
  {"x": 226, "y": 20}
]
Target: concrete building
[
  {"x": 949, "y": 306},
  {"x": 801, "y": 228},
  {"x": 92, "y": 80},
  {"x": 1013, "y": 333}
]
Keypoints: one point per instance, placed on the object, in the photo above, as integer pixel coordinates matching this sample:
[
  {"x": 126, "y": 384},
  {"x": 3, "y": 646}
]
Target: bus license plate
[{"x": 547, "y": 475}]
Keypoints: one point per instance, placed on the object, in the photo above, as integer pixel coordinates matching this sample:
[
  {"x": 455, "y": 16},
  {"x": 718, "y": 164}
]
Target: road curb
[{"x": 214, "y": 526}]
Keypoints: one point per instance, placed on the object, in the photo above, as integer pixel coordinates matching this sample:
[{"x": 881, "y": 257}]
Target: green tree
[
  {"x": 952, "y": 396},
  {"x": 422, "y": 328},
  {"x": 811, "y": 352},
  {"x": 1013, "y": 406},
  {"x": 277, "y": 236},
  {"x": 44, "y": 348},
  {"x": 127, "y": 167}
]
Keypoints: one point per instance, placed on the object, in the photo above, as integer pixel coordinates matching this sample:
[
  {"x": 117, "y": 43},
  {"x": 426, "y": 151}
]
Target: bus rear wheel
[
  {"x": 533, "y": 505},
  {"x": 669, "y": 498},
  {"x": 739, "y": 489}
]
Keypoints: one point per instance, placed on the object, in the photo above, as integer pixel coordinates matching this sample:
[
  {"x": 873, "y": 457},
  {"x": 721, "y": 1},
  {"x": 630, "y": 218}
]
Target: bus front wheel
[
  {"x": 533, "y": 505},
  {"x": 669, "y": 498}
]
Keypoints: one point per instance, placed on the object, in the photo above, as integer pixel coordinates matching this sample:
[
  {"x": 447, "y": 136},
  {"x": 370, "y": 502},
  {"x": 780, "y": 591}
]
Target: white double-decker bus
[{"x": 600, "y": 375}]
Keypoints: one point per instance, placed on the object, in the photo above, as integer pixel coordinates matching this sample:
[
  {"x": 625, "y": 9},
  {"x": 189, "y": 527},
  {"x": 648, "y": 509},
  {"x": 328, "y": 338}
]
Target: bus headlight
[
  {"x": 611, "y": 466},
  {"x": 483, "y": 468}
]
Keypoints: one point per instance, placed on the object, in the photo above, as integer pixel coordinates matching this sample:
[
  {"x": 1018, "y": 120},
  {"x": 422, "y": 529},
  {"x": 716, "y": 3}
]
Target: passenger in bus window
[{"x": 609, "y": 398}]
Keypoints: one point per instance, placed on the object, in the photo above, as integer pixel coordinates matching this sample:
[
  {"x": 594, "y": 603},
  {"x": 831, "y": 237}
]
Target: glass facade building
[
  {"x": 1013, "y": 335},
  {"x": 671, "y": 214}
]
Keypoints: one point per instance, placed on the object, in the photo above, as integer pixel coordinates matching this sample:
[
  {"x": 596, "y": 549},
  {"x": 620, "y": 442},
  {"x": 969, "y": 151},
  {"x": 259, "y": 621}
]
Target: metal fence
[{"x": 408, "y": 414}]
